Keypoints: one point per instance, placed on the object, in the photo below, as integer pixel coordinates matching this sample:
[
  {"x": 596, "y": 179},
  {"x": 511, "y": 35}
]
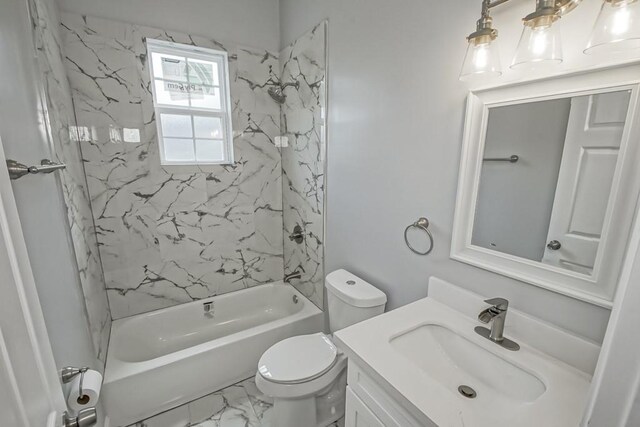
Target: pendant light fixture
[
  {"x": 540, "y": 42},
  {"x": 482, "y": 57},
  {"x": 617, "y": 27}
]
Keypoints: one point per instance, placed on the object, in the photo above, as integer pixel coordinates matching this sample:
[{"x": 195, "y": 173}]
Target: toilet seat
[{"x": 298, "y": 359}]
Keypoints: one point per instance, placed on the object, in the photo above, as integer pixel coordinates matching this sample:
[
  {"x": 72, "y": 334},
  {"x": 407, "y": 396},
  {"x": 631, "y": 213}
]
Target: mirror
[
  {"x": 546, "y": 178},
  {"x": 549, "y": 183}
]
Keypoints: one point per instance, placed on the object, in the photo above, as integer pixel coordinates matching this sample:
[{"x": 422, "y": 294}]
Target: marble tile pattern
[
  {"x": 59, "y": 126},
  {"x": 240, "y": 405},
  {"x": 170, "y": 235},
  {"x": 303, "y": 161}
]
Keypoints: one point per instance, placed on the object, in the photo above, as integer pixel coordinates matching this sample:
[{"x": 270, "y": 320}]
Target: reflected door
[{"x": 592, "y": 144}]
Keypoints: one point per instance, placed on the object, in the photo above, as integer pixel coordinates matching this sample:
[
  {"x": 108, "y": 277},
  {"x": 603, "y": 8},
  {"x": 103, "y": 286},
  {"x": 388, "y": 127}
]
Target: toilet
[{"x": 307, "y": 375}]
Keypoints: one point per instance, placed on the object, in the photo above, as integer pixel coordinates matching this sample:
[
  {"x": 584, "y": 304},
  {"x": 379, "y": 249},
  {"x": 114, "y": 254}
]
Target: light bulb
[
  {"x": 481, "y": 56},
  {"x": 538, "y": 45},
  {"x": 620, "y": 24},
  {"x": 539, "y": 41},
  {"x": 482, "y": 59}
]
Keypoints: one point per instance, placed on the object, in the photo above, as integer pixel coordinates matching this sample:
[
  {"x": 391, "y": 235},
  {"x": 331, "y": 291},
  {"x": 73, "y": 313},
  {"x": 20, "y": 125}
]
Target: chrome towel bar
[
  {"x": 18, "y": 170},
  {"x": 510, "y": 159}
]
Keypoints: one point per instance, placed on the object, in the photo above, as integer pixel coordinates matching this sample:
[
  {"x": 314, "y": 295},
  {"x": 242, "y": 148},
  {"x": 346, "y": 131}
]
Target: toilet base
[
  {"x": 319, "y": 410},
  {"x": 294, "y": 413}
]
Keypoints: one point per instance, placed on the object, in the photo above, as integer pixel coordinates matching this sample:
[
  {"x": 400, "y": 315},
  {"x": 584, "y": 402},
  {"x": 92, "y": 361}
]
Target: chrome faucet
[
  {"x": 496, "y": 313},
  {"x": 289, "y": 277}
]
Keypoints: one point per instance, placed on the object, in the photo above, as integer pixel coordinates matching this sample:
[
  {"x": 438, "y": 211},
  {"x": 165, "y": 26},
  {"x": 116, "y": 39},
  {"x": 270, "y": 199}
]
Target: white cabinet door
[
  {"x": 357, "y": 414},
  {"x": 589, "y": 160}
]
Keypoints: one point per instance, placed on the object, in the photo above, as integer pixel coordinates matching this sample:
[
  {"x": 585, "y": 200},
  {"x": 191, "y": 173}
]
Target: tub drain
[{"x": 467, "y": 391}]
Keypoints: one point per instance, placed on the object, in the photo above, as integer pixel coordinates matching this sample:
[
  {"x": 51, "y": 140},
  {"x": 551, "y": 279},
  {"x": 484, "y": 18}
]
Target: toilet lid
[{"x": 298, "y": 359}]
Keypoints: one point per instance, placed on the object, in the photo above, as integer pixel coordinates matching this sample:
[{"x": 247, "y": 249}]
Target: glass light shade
[
  {"x": 617, "y": 27},
  {"x": 482, "y": 59},
  {"x": 538, "y": 46}
]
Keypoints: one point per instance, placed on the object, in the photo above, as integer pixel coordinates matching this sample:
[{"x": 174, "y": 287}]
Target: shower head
[{"x": 277, "y": 92}]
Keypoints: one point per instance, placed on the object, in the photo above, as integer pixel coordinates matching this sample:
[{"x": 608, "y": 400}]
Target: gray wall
[
  {"x": 246, "y": 22},
  {"x": 396, "y": 112},
  {"x": 39, "y": 198},
  {"x": 515, "y": 199},
  {"x": 634, "y": 415}
]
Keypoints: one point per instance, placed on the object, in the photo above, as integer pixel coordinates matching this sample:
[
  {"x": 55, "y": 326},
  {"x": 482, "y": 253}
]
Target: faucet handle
[{"x": 499, "y": 303}]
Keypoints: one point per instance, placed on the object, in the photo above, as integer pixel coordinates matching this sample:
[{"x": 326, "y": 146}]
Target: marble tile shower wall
[
  {"x": 303, "y": 161},
  {"x": 60, "y": 129},
  {"x": 173, "y": 235}
]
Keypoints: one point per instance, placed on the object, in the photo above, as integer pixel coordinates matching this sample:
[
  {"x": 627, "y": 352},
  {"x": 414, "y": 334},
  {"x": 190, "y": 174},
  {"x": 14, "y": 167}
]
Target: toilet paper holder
[
  {"x": 67, "y": 375},
  {"x": 85, "y": 417}
]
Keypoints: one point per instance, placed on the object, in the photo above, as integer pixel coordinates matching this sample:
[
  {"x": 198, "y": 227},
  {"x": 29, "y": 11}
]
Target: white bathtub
[{"x": 165, "y": 358}]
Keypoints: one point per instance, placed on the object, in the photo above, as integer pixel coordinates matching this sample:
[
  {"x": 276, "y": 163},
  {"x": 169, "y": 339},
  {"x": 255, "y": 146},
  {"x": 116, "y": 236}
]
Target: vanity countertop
[{"x": 541, "y": 390}]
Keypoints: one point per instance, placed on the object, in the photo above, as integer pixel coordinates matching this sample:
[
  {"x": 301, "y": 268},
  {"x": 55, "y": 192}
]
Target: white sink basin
[
  {"x": 453, "y": 360},
  {"x": 422, "y": 352}
]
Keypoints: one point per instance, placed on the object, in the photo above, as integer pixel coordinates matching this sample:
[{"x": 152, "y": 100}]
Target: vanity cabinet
[
  {"x": 370, "y": 405},
  {"x": 358, "y": 414}
]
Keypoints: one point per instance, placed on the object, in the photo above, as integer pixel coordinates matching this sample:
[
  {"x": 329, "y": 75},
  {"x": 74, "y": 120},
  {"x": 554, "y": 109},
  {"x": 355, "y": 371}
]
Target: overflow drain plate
[{"x": 467, "y": 391}]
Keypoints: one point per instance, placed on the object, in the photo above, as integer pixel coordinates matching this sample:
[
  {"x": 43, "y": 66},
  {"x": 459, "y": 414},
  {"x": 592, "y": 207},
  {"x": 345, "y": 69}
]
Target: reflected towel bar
[{"x": 511, "y": 159}]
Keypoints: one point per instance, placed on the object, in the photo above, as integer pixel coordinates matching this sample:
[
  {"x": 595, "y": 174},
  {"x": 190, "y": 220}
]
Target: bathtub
[{"x": 163, "y": 359}]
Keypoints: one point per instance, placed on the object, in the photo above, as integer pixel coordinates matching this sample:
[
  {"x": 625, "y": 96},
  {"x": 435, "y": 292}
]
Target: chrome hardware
[
  {"x": 208, "y": 308},
  {"x": 297, "y": 235},
  {"x": 422, "y": 224},
  {"x": 467, "y": 391},
  {"x": 85, "y": 418},
  {"x": 277, "y": 92},
  {"x": 18, "y": 170},
  {"x": 289, "y": 277},
  {"x": 295, "y": 299},
  {"x": 68, "y": 373},
  {"x": 498, "y": 313},
  {"x": 554, "y": 245},
  {"x": 510, "y": 159}
]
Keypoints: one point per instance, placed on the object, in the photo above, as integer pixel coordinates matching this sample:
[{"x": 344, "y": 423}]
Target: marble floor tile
[
  {"x": 240, "y": 405},
  {"x": 262, "y": 405},
  {"x": 177, "y": 417},
  {"x": 229, "y": 407}
]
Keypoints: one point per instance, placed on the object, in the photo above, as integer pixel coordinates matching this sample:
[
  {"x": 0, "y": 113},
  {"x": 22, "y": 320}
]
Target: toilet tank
[{"x": 351, "y": 300}]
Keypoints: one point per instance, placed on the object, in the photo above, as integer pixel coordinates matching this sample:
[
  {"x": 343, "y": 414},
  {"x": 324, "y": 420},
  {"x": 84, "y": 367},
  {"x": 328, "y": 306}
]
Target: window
[{"x": 190, "y": 88}]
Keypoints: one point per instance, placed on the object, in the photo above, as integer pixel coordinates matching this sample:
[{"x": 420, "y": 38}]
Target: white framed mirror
[{"x": 549, "y": 181}]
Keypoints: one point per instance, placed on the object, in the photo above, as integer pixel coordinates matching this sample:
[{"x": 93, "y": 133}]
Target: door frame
[
  {"x": 43, "y": 375},
  {"x": 616, "y": 381}
]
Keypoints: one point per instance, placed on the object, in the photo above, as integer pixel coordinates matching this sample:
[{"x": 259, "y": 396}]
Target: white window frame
[{"x": 193, "y": 52}]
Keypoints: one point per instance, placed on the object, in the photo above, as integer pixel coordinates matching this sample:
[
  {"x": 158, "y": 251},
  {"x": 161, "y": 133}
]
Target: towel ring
[{"x": 423, "y": 224}]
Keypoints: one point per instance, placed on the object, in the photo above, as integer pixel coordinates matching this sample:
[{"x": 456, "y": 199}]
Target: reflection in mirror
[{"x": 549, "y": 203}]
